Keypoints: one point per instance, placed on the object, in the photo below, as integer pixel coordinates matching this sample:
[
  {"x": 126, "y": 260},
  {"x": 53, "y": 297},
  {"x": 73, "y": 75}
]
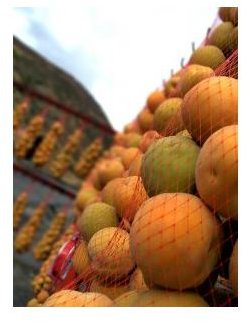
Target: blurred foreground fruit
[
  {"x": 71, "y": 298},
  {"x": 162, "y": 298}
]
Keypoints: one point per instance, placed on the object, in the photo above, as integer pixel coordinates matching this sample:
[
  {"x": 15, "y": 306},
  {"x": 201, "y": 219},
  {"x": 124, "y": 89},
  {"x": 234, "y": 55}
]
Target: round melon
[
  {"x": 110, "y": 253},
  {"x": 217, "y": 172},
  {"x": 175, "y": 241},
  {"x": 209, "y": 106},
  {"x": 96, "y": 217},
  {"x": 169, "y": 165}
]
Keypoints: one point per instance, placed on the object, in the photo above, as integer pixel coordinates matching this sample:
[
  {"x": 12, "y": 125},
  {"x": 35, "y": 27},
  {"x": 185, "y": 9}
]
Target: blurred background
[{"x": 119, "y": 53}]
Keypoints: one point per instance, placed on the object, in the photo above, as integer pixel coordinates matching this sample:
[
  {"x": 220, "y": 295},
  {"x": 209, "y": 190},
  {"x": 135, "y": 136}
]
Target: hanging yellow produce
[
  {"x": 19, "y": 112},
  {"x": 46, "y": 147},
  {"x": 59, "y": 166},
  {"x": 44, "y": 246},
  {"x": 26, "y": 234},
  {"x": 18, "y": 208},
  {"x": 88, "y": 158},
  {"x": 26, "y": 140}
]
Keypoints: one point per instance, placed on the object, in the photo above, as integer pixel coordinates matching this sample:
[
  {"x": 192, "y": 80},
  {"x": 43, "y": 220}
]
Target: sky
[{"x": 119, "y": 53}]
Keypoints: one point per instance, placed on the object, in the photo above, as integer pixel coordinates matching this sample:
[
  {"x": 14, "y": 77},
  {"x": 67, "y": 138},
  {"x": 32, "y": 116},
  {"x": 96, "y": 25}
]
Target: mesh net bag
[{"x": 157, "y": 219}]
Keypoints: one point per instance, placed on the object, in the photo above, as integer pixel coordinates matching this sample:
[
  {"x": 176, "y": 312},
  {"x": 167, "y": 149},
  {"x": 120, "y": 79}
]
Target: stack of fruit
[
  {"x": 46, "y": 147},
  {"x": 27, "y": 232},
  {"x": 19, "y": 207},
  {"x": 88, "y": 158},
  {"x": 153, "y": 213},
  {"x": 19, "y": 112},
  {"x": 42, "y": 283},
  {"x": 63, "y": 160},
  {"x": 28, "y": 136},
  {"x": 43, "y": 248}
]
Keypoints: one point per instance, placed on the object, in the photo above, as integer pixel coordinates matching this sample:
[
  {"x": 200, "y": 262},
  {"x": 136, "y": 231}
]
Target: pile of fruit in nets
[{"x": 158, "y": 214}]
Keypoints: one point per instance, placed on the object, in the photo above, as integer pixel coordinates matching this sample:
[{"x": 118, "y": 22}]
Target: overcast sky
[{"x": 119, "y": 53}]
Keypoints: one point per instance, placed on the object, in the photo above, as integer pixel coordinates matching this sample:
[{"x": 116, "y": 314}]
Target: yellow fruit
[
  {"x": 129, "y": 196},
  {"x": 132, "y": 140},
  {"x": 107, "y": 194},
  {"x": 194, "y": 74},
  {"x": 162, "y": 298},
  {"x": 71, "y": 298},
  {"x": 155, "y": 99},
  {"x": 209, "y": 106},
  {"x": 85, "y": 197},
  {"x": 42, "y": 296},
  {"x": 135, "y": 166},
  {"x": 32, "y": 303},
  {"x": 126, "y": 300},
  {"x": 109, "y": 251},
  {"x": 80, "y": 259},
  {"x": 110, "y": 170},
  {"x": 233, "y": 269},
  {"x": 95, "y": 217},
  {"x": 145, "y": 119},
  {"x": 175, "y": 241},
  {"x": 169, "y": 109},
  {"x": 209, "y": 56},
  {"x": 171, "y": 86},
  {"x": 220, "y": 36},
  {"x": 147, "y": 139},
  {"x": 169, "y": 165},
  {"x": 128, "y": 156},
  {"x": 217, "y": 172},
  {"x": 111, "y": 291}
]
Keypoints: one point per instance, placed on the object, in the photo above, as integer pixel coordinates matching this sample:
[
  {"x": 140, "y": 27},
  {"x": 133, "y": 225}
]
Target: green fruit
[
  {"x": 167, "y": 110},
  {"x": 193, "y": 75},
  {"x": 221, "y": 35},
  {"x": 209, "y": 56},
  {"x": 95, "y": 217},
  {"x": 169, "y": 165}
]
